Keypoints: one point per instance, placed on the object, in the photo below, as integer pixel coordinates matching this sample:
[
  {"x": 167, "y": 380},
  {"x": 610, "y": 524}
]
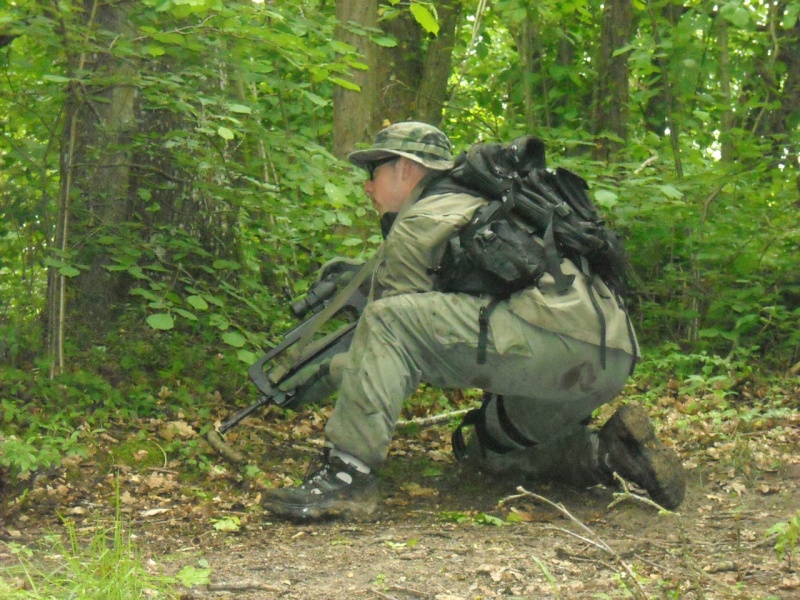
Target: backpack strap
[
  {"x": 563, "y": 282},
  {"x": 601, "y": 318},
  {"x": 483, "y": 328}
]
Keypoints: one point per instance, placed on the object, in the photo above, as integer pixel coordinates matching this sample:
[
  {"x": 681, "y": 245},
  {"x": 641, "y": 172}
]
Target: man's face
[{"x": 387, "y": 187}]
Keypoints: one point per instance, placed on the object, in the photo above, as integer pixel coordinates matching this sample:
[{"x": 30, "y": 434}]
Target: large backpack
[{"x": 536, "y": 216}]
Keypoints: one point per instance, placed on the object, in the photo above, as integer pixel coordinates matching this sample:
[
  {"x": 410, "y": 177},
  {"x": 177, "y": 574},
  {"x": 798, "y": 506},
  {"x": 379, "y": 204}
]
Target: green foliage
[
  {"x": 191, "y": 576},
  {"x": 109, "y": 567},
  {"x": 234, "y": 199},
  {"x": 786, "y": 534},
  {"x": 710, "y": 245}
]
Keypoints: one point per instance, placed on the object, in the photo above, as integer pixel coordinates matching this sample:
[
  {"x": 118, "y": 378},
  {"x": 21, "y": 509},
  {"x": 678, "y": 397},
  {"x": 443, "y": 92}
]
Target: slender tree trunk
[
  {"x": 526, "y": 36},
  {"x": 408, "y": 81},
  {"x": 413, "y": 75},
  {"x": 785, "y": 83},
  {"x": 611, "y": 108},
  {"x": 728, "y": 116}
]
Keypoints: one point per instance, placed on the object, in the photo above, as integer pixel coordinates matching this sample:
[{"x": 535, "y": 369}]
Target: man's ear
[{"x": 410, "y": 169}]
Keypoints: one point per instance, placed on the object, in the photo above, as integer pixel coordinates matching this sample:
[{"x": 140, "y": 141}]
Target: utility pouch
[{"x": 496, "y": 256}]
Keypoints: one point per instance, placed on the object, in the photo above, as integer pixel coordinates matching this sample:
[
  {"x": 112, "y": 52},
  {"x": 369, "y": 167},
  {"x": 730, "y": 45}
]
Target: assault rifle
[{"x": 280, "y": 373}]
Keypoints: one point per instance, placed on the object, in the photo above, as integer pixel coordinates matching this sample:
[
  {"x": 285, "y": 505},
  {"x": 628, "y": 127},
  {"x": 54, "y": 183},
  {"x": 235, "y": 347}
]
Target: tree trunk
[
  {"x": 413, "y": 75},
  {"x": 101, "y": 118},
  {"x": 728, "y": 116},
  {"x": 526, "y": 36},
  {"x": 783, "y": 121},
  {"x": 436, "y": 70},
  {"x": 611, "y": 109},
  {"x": 408, "y": 81},
  {"x": 355, "y": 114}
]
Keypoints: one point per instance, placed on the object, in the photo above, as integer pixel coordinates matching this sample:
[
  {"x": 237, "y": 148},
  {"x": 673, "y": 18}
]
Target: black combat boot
[
  {"x": 628, "y": 446},
  {"x": 334, "y": 487}
]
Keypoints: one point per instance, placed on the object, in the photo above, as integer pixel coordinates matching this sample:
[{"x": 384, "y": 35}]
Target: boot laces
[{"x": 319, "y": 470}]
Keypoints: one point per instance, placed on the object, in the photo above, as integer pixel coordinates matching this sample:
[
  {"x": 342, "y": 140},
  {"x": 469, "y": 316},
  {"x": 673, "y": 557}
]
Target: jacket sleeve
[{"x": 417, "y": 241}]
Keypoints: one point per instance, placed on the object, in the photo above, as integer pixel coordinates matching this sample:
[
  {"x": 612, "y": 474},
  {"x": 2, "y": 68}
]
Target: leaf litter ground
[{"x": 443, "y": 533}]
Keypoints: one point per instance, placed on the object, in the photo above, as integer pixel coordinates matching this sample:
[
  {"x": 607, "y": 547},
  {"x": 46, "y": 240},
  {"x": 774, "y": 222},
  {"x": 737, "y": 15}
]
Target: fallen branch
[
  {"x": 590, "y": 537},
  {"x": 216, "y": 441},
  {"x": 242, "y": 586},
  {"x": 434, "y": 420},
  {"x": 627, "y": 494}
]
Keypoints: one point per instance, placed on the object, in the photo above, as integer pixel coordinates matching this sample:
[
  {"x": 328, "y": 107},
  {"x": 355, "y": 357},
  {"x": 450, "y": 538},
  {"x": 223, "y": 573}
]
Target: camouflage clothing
[
  {"x": 543, "y": 351},
  {"x": 420, "y": 142}
]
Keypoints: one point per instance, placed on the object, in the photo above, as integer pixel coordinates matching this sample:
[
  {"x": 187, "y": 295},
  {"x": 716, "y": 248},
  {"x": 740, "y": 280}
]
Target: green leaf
[
  {"x": 227, "y": 524},
  {"x": 154, "y": 50},
  {"x": 484, "y": 519},
  {"x": 246, "y": 356},
  {"x": 385, "y": 41},
  {"x": 736, "y": 14},
  {"x": 234, "y": 338},
  {"x": 318, "y": 100},
  {"x": 197, "y": 302},
  {"x": 56, "y": 78},
  {"x": 348, "y": 85},
  {"x": 240, "y": 108},
  {"x": 225, "y": 133},
  {"x": 161, "y": 321},
  {"x": 190, "y": 576},
  {"x": 225, "y": 264},
  {"x": 605, "y": 198},
  {"x": 68, "y": 271},
  {"x": 185, "y": 314},
  {"x": 219, "y": 322},
  {"x": 425, "y": 18},
  {"x": 670, "y": 191}
]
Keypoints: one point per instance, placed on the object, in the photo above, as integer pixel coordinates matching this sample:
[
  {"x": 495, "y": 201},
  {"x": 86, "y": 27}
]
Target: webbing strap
[
  {"x": 563, "y": 282},
  {"x": 601, "y": 318},
  {"x": 295, "y": 353},
  {"x": 483, "y": 328},
  {"x": 514, "y": 434},
  {"x": 477, "y": 418}
]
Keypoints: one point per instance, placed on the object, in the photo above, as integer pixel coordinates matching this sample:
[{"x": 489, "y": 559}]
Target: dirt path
[{"x": 441, "y": 534}]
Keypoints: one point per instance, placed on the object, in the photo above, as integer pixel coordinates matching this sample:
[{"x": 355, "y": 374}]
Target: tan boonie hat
[{"x": 416, "y": 141}]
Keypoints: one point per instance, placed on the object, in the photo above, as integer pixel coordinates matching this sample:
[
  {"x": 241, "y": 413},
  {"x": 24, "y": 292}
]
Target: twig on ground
[
  {"x": 216, "y": 441},
  {"x": 627, "y": 494},
  {"x": 589, "y": 538},
  {"x": 242, "y": 586},
  {"x": 434, "y": 420}
]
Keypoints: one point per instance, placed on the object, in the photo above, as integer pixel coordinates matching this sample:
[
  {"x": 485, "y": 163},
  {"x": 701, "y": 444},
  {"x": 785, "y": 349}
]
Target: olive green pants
[{"x": 550, "y": 383}]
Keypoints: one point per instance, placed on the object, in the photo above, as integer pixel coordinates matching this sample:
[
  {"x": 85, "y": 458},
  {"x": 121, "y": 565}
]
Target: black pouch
[{"x": 495, "y": 256}]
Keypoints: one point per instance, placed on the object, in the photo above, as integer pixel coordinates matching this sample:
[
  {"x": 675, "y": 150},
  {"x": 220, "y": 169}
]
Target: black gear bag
[{"x": 536, "y": 217}]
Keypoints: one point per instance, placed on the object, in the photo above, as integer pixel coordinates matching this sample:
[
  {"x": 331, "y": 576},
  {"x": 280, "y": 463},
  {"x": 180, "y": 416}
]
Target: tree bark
[
  {"x": 408, "y": 81},
  {"x": 101, "y": 117},
  {"x": 438, "y": 65},
  {"x": 611, "y": 107},
  {"x": 355, "y": 115}
]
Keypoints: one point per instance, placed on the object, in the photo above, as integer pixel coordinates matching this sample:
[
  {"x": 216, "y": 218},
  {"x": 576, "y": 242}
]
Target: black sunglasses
[{"x": 375, "y": 164}]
